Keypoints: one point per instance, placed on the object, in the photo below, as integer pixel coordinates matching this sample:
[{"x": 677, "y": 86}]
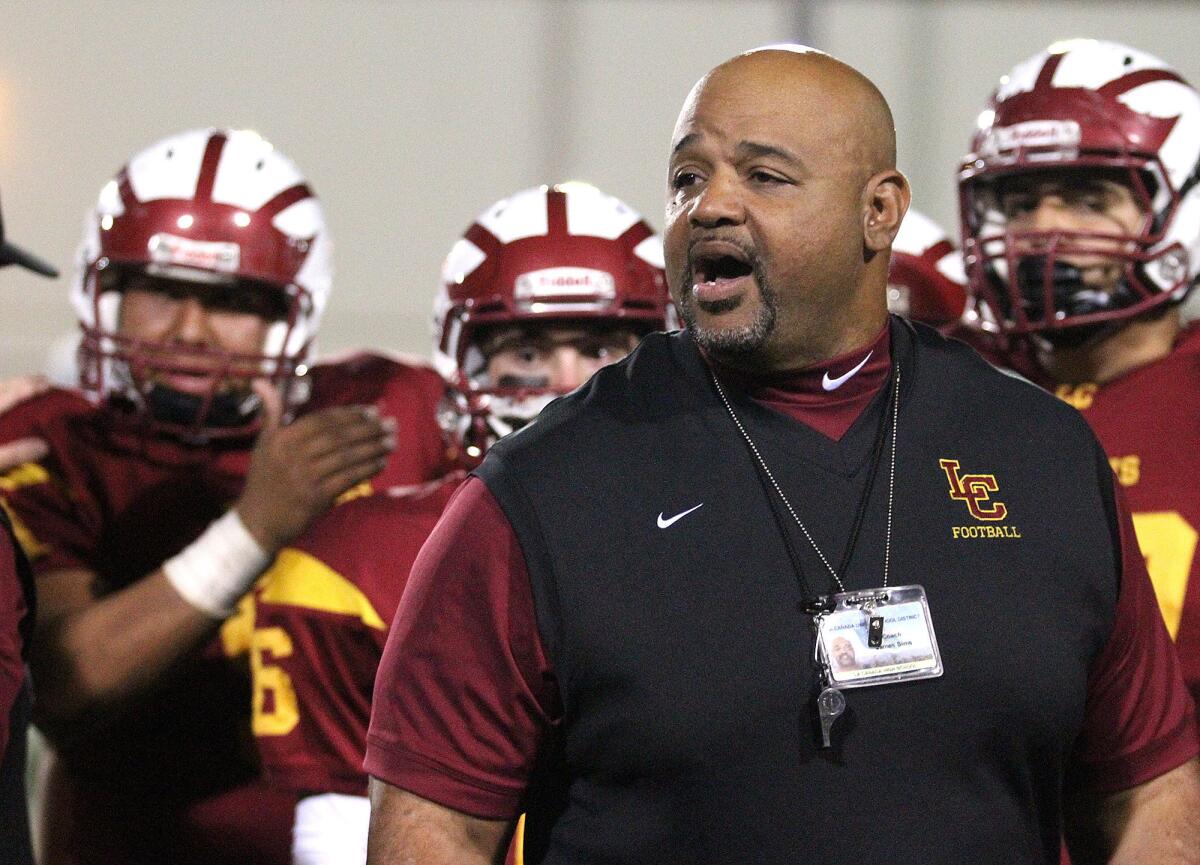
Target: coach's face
[{"x": 768, "y": 188}]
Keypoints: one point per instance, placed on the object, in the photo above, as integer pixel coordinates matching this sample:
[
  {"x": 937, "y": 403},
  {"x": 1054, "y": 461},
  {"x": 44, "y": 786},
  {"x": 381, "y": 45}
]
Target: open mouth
[
  {"x": 721, "y": 273},
  {"x": 710, "y": 268}
]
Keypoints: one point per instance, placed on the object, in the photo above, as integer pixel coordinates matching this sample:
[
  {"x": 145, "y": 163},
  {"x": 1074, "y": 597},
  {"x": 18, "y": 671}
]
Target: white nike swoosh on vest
[
  {"x": 834, "y": 383},
  {"x": 662, "y": 524}
]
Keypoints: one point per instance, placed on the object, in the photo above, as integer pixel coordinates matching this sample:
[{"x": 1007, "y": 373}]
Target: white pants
[{"x": 331, "y": 829}]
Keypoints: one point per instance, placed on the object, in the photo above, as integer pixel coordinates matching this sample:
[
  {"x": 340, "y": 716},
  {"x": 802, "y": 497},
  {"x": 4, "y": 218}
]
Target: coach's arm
[
  {"x": 1156, "y": 823},
  {"x": 406, "y": 829}
]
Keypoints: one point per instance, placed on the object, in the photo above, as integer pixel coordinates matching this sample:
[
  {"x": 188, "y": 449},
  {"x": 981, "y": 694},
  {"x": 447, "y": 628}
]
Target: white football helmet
[
  {"x": 559, "y": 254},
  {"x": 214, "y": 206},
  {"x": 1084, "y": 105}
]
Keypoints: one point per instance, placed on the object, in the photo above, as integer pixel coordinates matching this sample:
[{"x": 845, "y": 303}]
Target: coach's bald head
[{"x": 784, "y": 199}]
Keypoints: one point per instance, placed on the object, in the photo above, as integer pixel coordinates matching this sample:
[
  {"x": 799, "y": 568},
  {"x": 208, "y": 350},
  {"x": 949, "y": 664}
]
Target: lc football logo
[{"x": 975, "y": 491}]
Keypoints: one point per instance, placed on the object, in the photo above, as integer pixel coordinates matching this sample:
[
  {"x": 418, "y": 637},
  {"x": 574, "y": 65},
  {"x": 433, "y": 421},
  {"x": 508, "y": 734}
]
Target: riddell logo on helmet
[
  {"x": 200, "y": 254},
  {"x": 565, "y": 282},
  {"x": 1033, "y": 134}
]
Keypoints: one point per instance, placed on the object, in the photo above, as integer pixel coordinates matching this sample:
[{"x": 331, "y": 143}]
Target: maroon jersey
[
  {"x": 17, "y": 609},
  {"x": 403, "y": 388},
  {"x": 14, "y": 608},
  {"x": 321, "y": 617},
  {"x": 175, "y": 778},
  {"x": 1149, "y": 424}
]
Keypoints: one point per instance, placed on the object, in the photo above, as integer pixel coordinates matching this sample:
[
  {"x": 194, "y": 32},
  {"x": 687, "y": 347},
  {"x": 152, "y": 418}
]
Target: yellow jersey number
[
  {"x": 1168, "y": 542},
  {"x": 275, "y": 709},
  {"x": 299, "y": 580},
  {"x": 272, "y": 681}
]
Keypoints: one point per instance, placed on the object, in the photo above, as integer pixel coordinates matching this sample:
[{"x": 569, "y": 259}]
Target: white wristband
[{"x": 215, "y": 570}]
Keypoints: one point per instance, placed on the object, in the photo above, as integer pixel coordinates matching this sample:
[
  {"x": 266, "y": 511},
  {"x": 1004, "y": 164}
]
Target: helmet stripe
[
  {"x": 1045, "y": 78},
  {"x": 556, "y": 213},
  {"x": 285, "y": 199},
  {"x": 1136, "y": 79},
  {"x": 125, "y": 190},
  {"x": 484, "y": 239},
  {"x": 208, "y": 167},
  {"x": 634, "y": 235}
]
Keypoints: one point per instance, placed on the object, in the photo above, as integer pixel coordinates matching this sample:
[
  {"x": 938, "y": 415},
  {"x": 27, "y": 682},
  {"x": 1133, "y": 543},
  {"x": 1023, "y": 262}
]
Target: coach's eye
[
  {"x": 684, "y": 179},
  {"x": 766, "y": 177}
]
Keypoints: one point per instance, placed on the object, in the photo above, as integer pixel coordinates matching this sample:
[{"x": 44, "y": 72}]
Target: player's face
[
  {"x": 1093, "y": 203},
  {"x": 762, "y": 220},
  {"x": 553, "y": 357},
  {"x": 200, "y": 317}
]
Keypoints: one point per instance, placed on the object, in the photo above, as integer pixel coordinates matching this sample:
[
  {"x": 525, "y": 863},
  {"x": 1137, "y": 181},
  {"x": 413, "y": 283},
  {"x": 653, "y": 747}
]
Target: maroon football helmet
[
  {"x": 1084, "y": 106},
  {"x": 564, "y": 254},
  {"x": 216, "y": 208}
]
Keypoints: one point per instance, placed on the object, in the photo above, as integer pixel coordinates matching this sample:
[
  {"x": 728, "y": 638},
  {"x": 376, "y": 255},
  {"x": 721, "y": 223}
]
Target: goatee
[{"x": 736, "y": 341}]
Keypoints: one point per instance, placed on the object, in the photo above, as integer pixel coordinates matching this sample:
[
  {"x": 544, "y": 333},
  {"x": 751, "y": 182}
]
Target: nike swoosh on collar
[
  {"x": 834, "y": 383},
  {"x": 662, "y": 524}
]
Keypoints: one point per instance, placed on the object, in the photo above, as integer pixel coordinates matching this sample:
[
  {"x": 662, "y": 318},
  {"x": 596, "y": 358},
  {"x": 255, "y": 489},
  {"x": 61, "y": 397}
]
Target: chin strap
[{"x": 221, "y": 410}]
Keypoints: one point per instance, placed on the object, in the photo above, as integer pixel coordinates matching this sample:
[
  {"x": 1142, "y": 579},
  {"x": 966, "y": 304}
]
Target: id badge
[{"x": 877, "y": 637}]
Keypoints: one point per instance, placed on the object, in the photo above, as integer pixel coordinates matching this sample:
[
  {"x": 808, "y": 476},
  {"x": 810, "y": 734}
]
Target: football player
[
  {"x": 206, "y": 444},
  {"x": 16, "y": 627},
  {"x": 546, "y": 287},
  {"x": 1081, "y": 233},
  {"x": 926, "y": 282}
]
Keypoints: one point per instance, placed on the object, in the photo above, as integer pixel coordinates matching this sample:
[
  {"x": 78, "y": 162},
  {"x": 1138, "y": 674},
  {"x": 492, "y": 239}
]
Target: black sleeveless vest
[{"x": 684, "y": 661}]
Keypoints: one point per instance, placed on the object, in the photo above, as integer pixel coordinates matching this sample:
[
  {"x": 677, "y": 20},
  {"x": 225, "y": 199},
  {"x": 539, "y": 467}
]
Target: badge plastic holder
[{"x": 858, "y": 650}]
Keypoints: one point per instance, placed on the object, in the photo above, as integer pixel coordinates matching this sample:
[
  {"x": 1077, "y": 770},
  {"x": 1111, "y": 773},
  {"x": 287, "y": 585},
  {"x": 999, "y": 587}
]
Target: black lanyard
[{"x": 812, "y": 603}]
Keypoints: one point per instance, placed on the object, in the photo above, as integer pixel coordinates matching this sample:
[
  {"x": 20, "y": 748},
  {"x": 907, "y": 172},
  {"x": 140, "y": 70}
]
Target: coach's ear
[{"x": 885, "y": 201}]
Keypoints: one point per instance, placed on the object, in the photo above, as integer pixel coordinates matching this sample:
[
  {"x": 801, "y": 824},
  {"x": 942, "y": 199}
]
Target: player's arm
[
  {"x": 92, "y": 652},
  {"x": 1151, "y": 824},
  {"x": 406, "y": 828}
]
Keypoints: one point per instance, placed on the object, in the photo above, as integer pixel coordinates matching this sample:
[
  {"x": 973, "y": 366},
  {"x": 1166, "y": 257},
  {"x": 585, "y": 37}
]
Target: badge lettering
[{"x": 1032, "y": 133}]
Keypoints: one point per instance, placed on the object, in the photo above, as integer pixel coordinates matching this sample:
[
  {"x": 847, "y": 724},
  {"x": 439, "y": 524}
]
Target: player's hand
[
  {"x": 12, "y": 392},
  {"x": 298, "y": 470}
]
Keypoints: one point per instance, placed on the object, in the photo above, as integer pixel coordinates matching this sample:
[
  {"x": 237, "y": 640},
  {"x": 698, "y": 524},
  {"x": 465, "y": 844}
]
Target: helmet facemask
[
  {"x": 484, "y": 407},
  {"x": 220, "y": 401},
  {"x": 1072, "y": 286}
]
